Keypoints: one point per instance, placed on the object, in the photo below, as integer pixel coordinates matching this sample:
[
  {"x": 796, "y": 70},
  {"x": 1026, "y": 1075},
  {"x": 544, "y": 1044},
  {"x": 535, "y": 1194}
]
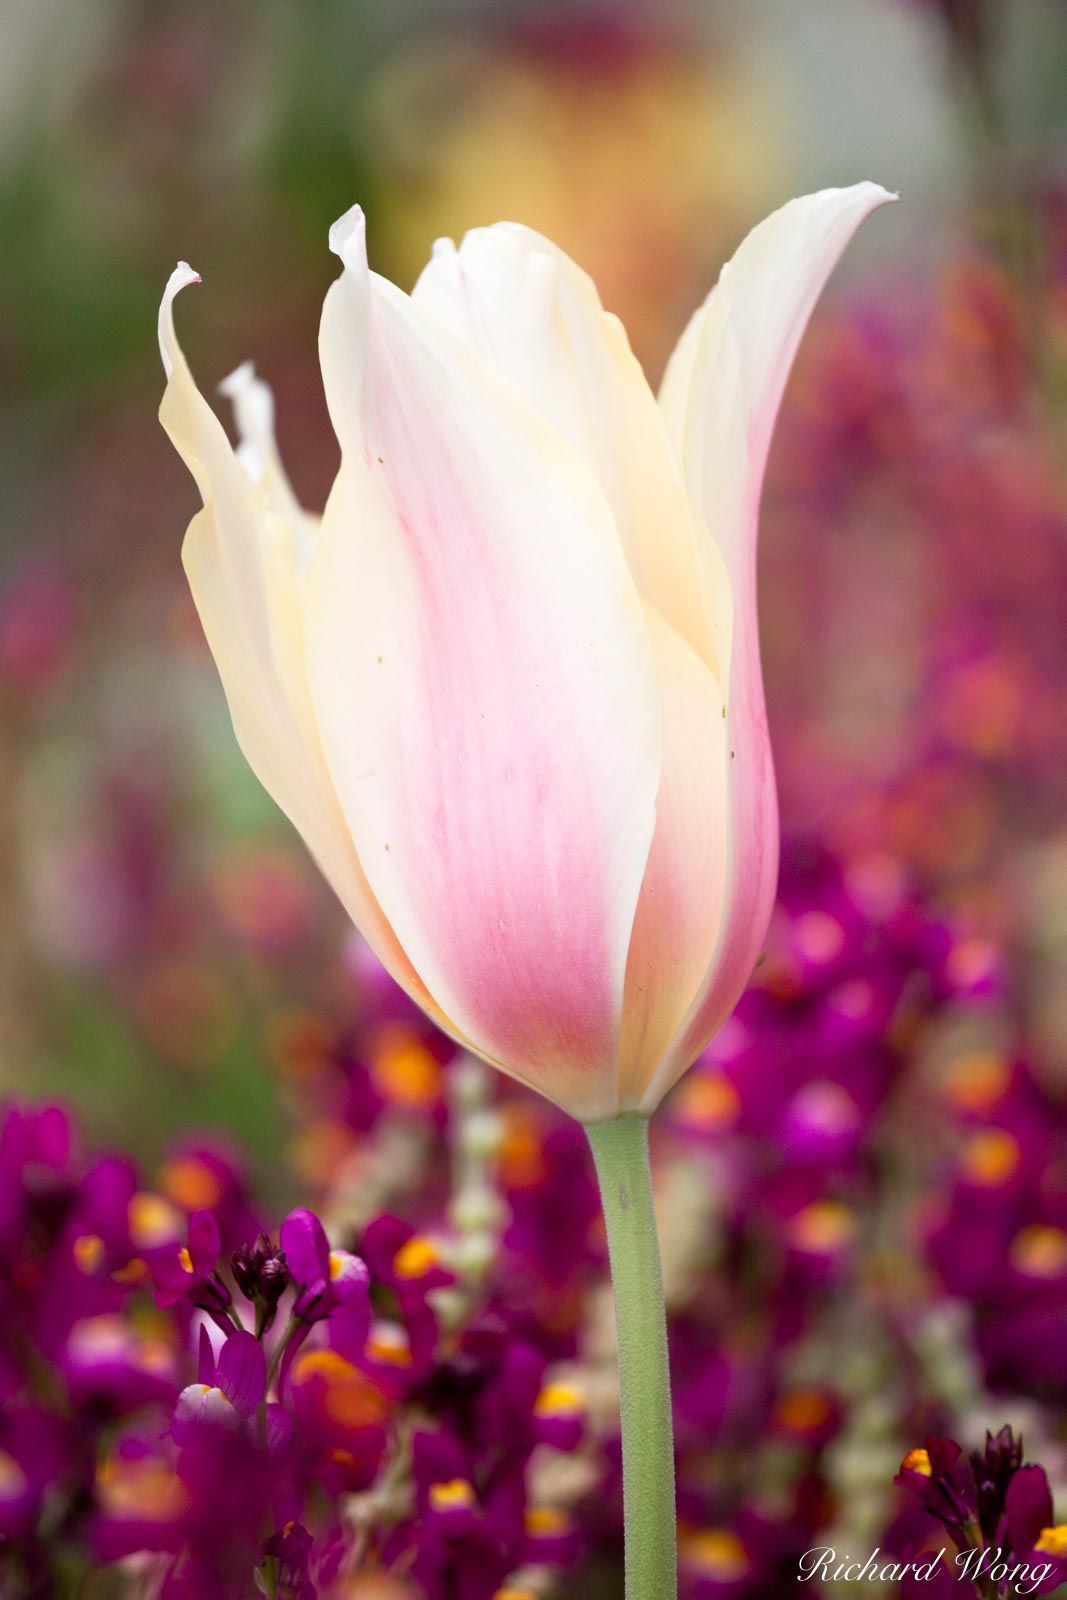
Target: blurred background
[{"x": 159, "y": 919}]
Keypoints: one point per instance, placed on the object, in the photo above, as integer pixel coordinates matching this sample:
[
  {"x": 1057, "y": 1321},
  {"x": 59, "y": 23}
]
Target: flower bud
[{"x": 261, "y": 1274}]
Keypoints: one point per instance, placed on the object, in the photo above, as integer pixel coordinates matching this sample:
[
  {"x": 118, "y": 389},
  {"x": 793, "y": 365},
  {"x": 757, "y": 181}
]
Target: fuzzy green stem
[{"x": 620, "y": 1151}]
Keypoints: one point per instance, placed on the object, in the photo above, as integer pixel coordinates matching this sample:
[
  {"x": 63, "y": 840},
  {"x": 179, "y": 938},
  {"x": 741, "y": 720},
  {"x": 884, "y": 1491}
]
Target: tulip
[{"x": 508, "y": 687}]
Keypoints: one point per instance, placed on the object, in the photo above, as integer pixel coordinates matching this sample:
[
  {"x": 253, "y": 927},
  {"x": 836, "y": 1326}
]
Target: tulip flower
[{"x": 508, "y": 686}]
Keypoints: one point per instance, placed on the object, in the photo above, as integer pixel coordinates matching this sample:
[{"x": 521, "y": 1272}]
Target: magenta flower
[
  {"x": 403, "y": 1259},
  {"x": 325, "y": 1279},
  {"x": 230, "y": 1386},
  {"x": 943, "y": 1479},
  {"x": 292, "y": 1549},
  {"x": 466, "y": 1537},
  {"x": 1033, "y": 1535},
  {"x": 191, "y": 1271}
]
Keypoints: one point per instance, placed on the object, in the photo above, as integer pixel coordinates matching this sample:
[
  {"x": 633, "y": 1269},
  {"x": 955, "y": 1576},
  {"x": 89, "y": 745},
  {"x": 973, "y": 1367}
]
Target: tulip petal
[
  {"x": 245, "y": 556},
  {"x": 485, "y": 689},
  {"x": 257, "y": 448},
  {"x": 720, "y": 397},
  {"x": 527, "y": 309},
  {"x": 680, "y": 908}
]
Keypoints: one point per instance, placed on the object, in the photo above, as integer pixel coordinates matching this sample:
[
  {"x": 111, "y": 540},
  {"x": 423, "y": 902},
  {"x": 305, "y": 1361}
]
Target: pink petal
[
  {"x": 680, "y": 908},
  {"x": 720, "y": 398},
  {"x": 485, "y": 689}
]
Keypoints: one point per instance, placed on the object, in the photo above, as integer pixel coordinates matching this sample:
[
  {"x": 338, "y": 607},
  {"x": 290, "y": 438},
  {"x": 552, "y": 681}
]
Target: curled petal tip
[
  {"x": 443, "y": 249},
  {"x": 348, "y": 237},
  {"x": 182, "y": 276},
  {"x": 876, "y": 193},
  {"x": 882, "y": 194}
]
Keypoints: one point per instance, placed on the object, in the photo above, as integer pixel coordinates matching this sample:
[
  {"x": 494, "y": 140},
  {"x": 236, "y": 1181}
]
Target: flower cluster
[
  {"x": 224, "y": 1406},
  {"x": 997, "y": 1511}
]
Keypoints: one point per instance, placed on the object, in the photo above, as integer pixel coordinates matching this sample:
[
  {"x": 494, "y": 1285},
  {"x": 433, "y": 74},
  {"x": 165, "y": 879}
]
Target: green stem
[
  {"x": 620, "y": 1151},
  {"x": 279, "y": 1351}
]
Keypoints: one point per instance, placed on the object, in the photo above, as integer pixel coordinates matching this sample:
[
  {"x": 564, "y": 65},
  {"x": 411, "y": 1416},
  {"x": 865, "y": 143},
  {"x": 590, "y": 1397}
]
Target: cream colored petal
[
  {"x": 257, "y": 447},
  {"x": 241, "y": 561},
  {"x": 528, "y": 310},
  {"x": 720, "y": 398}
]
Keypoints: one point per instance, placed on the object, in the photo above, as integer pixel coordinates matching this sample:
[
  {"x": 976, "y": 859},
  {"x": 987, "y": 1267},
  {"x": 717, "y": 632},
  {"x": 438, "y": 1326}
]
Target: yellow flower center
[
  {"x": 190, "y": 1184},
  {"x": 415, "y": 1259},
  {"x": 823, "y": 1226},
  {"x": 716, "y": 1553},
  {"x": 546, "y": 1522},
  {"x": 153, "y": 1219},
  {"x": 1040, "y": 1250},
  {"x": 802, "y": 1410},
  {"x": 147, "y": 1490},
  {"x": 709, "y": 1100},
  {"x": 454, "y": 1495},
  {"x": 558, "y": 1400},
  {"x": 917, "y": 1461},
  {"x": 991, "y": 1157},
  {"x": 976, "y": 1082},
  {"x": 403, "y": 1068},
  {"x": 134, "y": 1270},
  {"x": 388, "y": 1343},
  {"x": 88, "y": 1252},
  {"x": 521, "y": 1161},
  {"x": 1053, "y": 1541}
]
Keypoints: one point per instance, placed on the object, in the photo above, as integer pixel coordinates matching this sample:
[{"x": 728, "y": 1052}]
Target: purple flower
[
  {"x": 229, "y": 1388},
  {"x": 325, "y": 1279},
  {"x": 190, "y": 1271},
  {"x": 205, "y": 1174},
  {"x": 406, "y": 1261},
  {"x": 552, "y": 1537},
  {"x": 1031, "y": 1529},
  {"x": 141, "y": 1503},
  {"x": 291, "y": 1550},
  {"x": 106, "y": 1360},
  {"x": 465, "y": 1542},
  {"x": 944, "y": 1482},
  {"x": 559, "y": 1416}
]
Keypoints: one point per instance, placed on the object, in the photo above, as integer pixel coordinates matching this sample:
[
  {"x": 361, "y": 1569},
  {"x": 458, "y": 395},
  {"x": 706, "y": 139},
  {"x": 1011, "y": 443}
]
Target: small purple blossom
[
  {"x": 229, "y": 1387},
  {"x": 190, "y": 1271},
  {"x": 324, "y": 1279}
]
